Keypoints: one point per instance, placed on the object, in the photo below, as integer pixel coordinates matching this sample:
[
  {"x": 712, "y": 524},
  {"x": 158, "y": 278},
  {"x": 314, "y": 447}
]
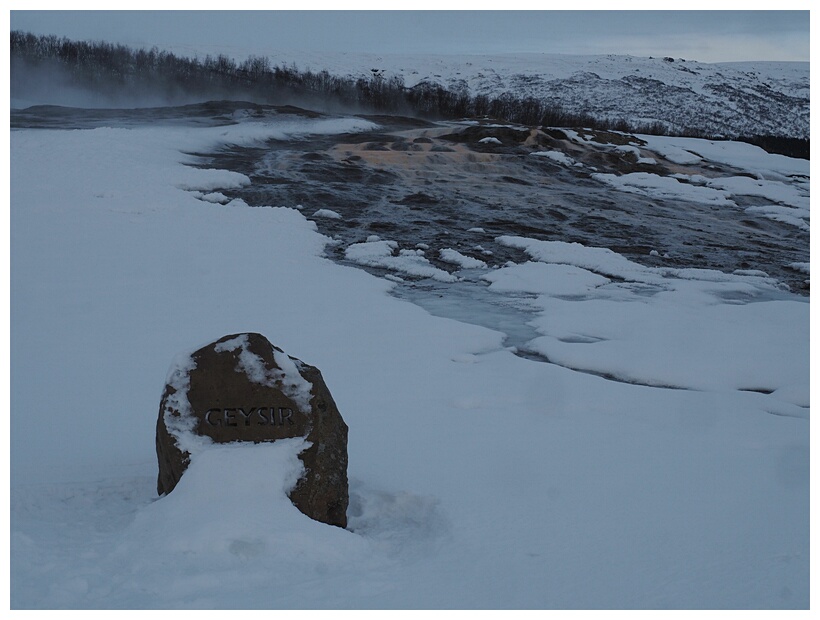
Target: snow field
[
  {"x": 695, "y": 329},
  {"x": 478, "y": 479}
]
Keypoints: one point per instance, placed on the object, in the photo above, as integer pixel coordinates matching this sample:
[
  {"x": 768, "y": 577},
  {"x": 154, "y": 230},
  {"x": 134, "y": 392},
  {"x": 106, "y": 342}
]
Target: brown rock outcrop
[{"x": 242, "y": 388}]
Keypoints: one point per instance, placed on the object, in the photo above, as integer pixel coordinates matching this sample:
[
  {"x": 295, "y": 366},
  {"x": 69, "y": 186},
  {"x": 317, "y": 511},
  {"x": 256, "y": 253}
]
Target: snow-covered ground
[{"x": 479, "y": 479}]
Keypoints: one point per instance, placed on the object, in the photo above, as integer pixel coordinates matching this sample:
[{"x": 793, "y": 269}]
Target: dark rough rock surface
[{"x": 242, "y": 388}]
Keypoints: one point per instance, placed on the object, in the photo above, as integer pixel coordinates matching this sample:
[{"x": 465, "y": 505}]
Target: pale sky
[{"x": 707, "y": 36}]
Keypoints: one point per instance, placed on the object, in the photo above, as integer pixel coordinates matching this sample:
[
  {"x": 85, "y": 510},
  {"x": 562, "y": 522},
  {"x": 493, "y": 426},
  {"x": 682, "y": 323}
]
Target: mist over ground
[
  {"x": 765, "y": 103},
  {"x": 52, "y": 83}
]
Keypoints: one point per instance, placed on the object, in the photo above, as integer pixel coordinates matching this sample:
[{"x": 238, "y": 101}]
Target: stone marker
[{"x": 242, "y": 388}]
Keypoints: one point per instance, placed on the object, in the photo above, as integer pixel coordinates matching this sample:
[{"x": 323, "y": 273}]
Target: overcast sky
[{"x": 707, "y": 36}]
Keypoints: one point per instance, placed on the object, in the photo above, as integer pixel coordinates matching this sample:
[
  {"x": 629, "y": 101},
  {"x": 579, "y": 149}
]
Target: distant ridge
[
  {"x": 729, "y": 99},
  {"x": 752, "y": 100}
]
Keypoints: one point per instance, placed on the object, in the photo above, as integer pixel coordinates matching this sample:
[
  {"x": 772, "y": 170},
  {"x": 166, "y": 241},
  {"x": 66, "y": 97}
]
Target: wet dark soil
[{"x": 439, "y": 185}]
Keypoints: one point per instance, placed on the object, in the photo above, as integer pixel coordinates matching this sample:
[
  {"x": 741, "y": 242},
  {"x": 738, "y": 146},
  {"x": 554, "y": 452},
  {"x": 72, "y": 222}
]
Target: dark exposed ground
[{"x": 421, "y": 183}]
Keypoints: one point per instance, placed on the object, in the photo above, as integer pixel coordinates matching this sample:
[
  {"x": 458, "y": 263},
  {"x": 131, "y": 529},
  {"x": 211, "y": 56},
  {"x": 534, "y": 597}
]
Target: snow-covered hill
[
  {"x": 750, "y": 98},
  {"x": 668, "y": 95}
]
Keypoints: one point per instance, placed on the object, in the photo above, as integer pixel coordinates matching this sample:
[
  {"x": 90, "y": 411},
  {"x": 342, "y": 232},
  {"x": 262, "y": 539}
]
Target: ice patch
[
  {"x": 215, "y": 197},
  {"x": 383, "y": 254},
  {"x": 676, "y": 154},
  {"x": 212, "y": 179},
  {"x": 544, "y": 279},
  {"x": 449, "y": 255},
  {"x": 327, "y": 213}
]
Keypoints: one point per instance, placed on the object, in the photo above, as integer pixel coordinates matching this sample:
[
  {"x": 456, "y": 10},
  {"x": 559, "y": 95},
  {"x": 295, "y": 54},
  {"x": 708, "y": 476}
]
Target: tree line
[{"x": 118, "y": 69}]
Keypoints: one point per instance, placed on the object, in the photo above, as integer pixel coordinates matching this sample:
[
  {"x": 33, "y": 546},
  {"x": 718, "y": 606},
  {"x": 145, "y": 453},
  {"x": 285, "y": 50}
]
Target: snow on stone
[
  {"x": 490, "y": 140},
  {"x": 449, "y": 255},
  {"x": 557, "y": 157},
  {"x": 577, "y": 137},
  {"x": 633, "y": 150},
  {"x": 293, "y": 383},
  {"x": 287, "y": 378},
  {"x": 483, "y": 250},
  {"x": 182, "y": 426},
  {"x": 675, "y": 154},
  {"x": 327, "y": 213}
]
